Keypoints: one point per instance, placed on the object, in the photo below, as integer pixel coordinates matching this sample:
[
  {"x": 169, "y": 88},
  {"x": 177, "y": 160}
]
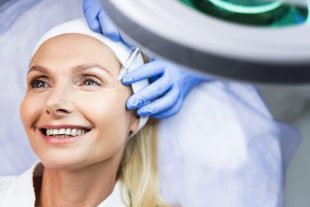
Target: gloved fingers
[
  {"x": 108, "y": 28},
  {"x": 162, "y": 104},
  {"x": 148, "y": 70},
  {"x": 153, "y": 91},
  {"x": 91, "y": 9},
  {"x": 169, "y": 112}
]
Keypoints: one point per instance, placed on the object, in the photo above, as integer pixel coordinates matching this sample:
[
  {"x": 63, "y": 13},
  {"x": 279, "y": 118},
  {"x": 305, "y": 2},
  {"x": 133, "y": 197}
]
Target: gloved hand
[
  {"x": 99, "y": 21},
  {"x": 167, "y": 91},
  {"x": 169, "y": 84}
]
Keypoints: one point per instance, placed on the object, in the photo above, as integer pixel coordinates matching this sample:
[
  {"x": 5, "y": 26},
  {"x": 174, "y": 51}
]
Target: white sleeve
[{"x": 224, "y": 149}]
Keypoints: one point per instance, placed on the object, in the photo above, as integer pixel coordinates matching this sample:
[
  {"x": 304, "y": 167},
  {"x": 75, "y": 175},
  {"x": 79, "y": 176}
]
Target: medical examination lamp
[{"x": 263, "y": 41}]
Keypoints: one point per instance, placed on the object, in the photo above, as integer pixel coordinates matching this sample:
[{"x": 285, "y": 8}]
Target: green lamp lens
[{"x": 270, "y": 13}]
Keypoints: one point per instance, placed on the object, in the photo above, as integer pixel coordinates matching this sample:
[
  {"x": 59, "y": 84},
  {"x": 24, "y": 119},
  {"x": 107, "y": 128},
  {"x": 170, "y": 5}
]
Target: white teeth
[
  {"x": 73, "y": 132},
  {"x": 55, "y": 131},
  {"x": 47, "y": 132},
  {"x": 62, "y": 133},
  {"x": 68, "y": 131}
]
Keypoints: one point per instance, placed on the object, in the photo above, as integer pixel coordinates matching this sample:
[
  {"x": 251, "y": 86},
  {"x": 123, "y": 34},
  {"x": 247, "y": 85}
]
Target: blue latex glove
[
  {"x": 99, "y": 21},
  {"x": 165, "y": 95},
  {"x": 169, "y": 85}
]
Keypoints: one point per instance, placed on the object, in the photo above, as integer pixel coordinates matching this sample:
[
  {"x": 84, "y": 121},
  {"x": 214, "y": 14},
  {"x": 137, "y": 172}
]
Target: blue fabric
[
  {"x": 225, "y": 149},
  {"x": 11, "y": 10}
]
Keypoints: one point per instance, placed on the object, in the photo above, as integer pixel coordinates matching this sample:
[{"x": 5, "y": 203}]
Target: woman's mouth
[{"x": 63, "y": 135}]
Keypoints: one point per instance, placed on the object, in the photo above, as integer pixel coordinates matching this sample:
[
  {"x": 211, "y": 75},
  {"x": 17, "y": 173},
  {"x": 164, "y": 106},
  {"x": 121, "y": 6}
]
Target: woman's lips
[{"x": 59, "y": 140}]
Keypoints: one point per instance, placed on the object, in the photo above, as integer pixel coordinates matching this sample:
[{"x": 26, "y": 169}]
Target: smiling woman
[{"x": 75, "y": 117}]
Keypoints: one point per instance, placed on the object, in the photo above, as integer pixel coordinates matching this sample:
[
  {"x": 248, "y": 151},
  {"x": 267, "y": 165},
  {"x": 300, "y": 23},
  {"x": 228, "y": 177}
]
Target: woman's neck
[{"x": 79, "y": 188}]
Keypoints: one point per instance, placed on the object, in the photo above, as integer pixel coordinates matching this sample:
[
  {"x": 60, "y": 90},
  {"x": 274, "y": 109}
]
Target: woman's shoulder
[{"x": 5, "y": 183}]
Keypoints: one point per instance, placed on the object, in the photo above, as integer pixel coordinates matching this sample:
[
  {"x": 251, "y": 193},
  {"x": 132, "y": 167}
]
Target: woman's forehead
[{"x": 76, "y": 49}]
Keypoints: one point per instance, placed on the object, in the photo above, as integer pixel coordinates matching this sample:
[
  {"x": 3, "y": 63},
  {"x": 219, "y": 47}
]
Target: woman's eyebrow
[
  {"x": 78, "y": 68},
  {"x": 37, "y": 68},
  {"x": 81, "y": 68}
]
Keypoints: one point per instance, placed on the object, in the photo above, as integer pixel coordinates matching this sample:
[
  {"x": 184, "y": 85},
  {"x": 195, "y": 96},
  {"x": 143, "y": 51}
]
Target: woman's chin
[{"x": 57, "y": 162}]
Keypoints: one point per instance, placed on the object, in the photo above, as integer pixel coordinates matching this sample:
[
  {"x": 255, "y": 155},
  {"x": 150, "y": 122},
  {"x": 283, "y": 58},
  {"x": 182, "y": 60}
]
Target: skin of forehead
[{"x": 88, "y": 43}]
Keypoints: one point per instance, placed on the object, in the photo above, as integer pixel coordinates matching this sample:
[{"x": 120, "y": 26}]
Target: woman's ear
[{"x": 134, "y": 125}]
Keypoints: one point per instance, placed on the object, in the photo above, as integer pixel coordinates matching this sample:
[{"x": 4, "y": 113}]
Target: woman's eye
[
  {"x": 39, "y": 84},
  {"x": 91, "y": 82}
]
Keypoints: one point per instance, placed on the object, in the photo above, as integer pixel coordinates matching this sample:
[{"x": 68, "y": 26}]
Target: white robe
[{"x": 19, "y": 191}]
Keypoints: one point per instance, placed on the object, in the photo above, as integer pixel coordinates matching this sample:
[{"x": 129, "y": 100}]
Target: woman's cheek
[
  {"x": 30, "y": 110},
  {"x": 106, "y": 108},
  {"x": 104, "y": 101}
]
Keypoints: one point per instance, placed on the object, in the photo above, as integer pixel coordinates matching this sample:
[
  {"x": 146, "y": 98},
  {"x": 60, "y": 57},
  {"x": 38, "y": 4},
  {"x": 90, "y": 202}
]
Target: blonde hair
[{"x": 138, "y": 170}]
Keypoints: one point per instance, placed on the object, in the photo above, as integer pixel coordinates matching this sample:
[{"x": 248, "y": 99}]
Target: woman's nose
[{"x": 58, "y": 103}]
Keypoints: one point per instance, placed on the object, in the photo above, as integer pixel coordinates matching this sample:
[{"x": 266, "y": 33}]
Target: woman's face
[{"x": 74, "y": 109}]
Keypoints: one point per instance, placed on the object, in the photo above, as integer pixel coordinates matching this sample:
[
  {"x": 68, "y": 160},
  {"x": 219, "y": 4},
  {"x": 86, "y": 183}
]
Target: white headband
[{"x": 79, "y": 26}]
